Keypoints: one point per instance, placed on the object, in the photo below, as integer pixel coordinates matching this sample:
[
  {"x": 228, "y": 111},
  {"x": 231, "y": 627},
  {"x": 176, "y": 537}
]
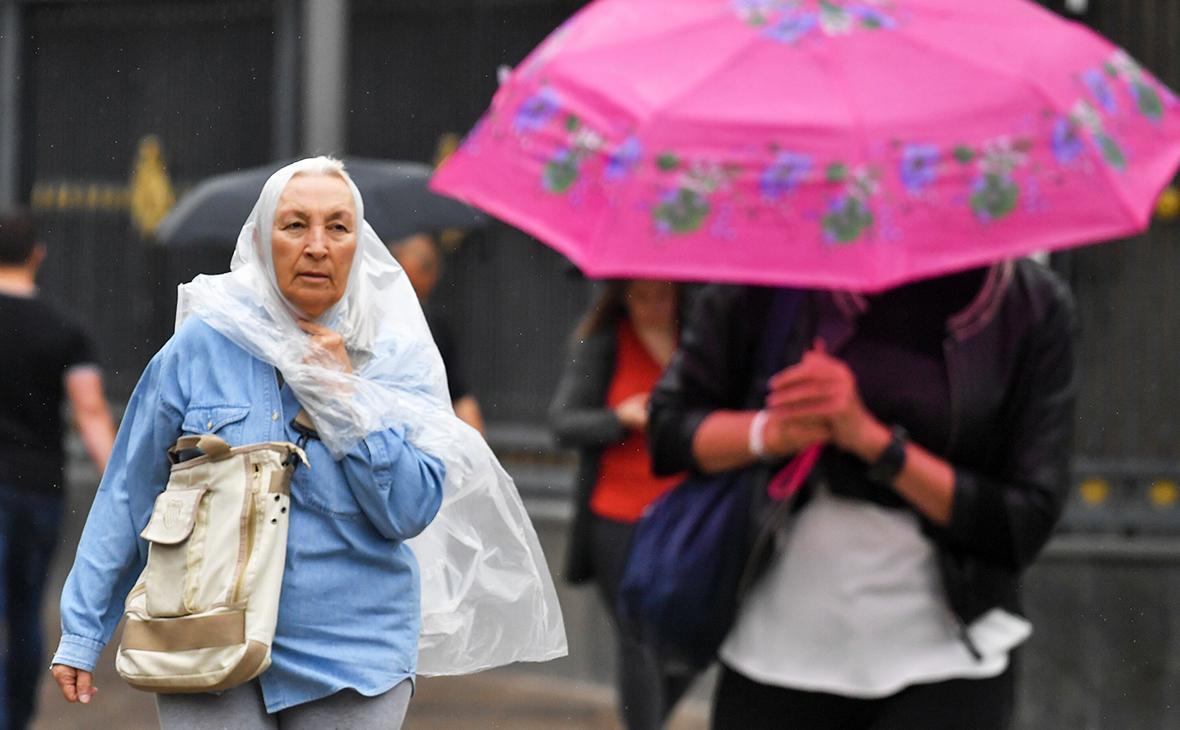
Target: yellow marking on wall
[
  {"x": 1095, "y": 491},
  {"x": 1167, "y": 208},
  {"x": 448, "y": 142},
  {"x": 1164, "y": 493},
  {"x": 451, "y": 238}
]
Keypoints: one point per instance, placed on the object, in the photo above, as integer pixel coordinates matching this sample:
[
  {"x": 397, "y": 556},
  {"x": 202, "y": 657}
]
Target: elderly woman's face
[{"x": 313, "y": 241}]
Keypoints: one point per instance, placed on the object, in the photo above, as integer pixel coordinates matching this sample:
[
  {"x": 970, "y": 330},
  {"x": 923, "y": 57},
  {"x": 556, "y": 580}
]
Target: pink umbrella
[{"x": 818, "y": 142}]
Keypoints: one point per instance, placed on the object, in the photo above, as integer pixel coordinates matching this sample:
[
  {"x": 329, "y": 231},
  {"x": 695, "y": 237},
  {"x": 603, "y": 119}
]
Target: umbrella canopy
[
  {"x": 397, "y": 204},
  {"x": 818, "y": 142}
]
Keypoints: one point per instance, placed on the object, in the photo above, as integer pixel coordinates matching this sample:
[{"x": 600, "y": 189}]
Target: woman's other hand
[
  {"x": 76, "y": 684},
  {"x": 331, "y": 342},
  {"x": 822, "y": 387},
  {"x": 632, "y": 412}
]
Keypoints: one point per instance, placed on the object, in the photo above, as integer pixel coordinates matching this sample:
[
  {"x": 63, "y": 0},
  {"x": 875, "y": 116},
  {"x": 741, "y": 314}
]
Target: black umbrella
[{"x": 397, "y": 204}]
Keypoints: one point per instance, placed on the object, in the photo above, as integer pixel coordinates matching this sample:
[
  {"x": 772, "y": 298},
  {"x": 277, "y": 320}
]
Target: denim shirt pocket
[
  {"x": 327, "y": 494},
  {"x": 225, "y": 420}
]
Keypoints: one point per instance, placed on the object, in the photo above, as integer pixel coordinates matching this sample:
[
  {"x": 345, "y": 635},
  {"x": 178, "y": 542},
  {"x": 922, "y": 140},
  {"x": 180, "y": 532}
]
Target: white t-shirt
[{"x": 852, "y": 604}]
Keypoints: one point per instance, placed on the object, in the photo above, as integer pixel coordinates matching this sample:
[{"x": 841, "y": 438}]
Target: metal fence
[{"x": 125, "y": 104}]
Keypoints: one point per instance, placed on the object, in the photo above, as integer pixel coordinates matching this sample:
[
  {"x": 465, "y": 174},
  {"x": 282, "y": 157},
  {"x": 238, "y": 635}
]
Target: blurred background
[{"x": 110, "y": 111}]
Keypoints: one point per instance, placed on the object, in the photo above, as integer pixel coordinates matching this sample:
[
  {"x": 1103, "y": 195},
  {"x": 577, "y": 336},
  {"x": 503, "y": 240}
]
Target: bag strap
[
  {"x": 301, "y": 423},
  {"x": 212, "y": 446},
  {"x": 781, "y": 321},
  {"x": 776, "y": 338},
  {"x": 216, "y": 448},
  {"x": 780, "y": 327}
]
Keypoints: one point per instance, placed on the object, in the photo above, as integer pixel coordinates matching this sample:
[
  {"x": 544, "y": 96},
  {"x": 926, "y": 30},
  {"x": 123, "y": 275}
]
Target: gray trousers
[{"x": 242, "y": 708}]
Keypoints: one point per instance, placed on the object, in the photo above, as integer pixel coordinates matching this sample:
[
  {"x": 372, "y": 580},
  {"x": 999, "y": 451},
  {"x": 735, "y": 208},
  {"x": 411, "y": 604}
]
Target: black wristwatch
[{"x": 891, "y": 461}]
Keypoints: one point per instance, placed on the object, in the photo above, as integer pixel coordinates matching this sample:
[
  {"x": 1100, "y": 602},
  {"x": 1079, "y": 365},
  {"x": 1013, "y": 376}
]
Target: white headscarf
[{"x": 487, "y": 597}]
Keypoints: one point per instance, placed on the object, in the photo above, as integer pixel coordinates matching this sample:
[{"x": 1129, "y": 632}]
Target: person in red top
[{"x": 618, "y": 353}]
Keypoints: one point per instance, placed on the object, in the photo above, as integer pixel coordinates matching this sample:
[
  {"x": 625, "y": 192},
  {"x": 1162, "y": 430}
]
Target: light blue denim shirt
[{"x": 349, "y": 611}]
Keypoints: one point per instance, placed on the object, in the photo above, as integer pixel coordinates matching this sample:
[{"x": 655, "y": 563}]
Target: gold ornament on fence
[
  {"x": 147, "y": 197},
  {"x": 151, "y": 189},
  {"x": 1167, "y": 208}
]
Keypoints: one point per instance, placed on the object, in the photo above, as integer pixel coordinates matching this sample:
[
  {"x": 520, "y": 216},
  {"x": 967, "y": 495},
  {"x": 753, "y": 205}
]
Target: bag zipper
[{"x": 250, "y": 520}]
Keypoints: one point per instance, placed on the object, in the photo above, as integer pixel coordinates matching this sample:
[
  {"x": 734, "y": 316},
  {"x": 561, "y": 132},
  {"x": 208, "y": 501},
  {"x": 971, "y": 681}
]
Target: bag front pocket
[{"x": 170, "y": 573}]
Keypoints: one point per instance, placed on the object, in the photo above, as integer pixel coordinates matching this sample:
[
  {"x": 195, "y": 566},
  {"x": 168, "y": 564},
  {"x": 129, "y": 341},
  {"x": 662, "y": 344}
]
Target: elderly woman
[{"x": 315, "y": 316}]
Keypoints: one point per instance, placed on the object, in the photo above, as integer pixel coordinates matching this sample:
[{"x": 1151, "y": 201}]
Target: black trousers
[
  {"x": 29, "y": 525},
  {"x": 956, "y": 704},
  {"x": 647, "y": 691}
]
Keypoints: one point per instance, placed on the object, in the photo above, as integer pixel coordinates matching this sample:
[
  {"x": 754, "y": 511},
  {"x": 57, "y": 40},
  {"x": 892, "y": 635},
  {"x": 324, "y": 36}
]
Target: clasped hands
[{"x": 817, "y": 401}]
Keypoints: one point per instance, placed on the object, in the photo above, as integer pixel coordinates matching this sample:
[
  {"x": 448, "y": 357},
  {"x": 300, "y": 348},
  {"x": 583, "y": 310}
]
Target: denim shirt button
[
  {"x": 274, "y": 416},
  {"x": 209, "y": 425}
]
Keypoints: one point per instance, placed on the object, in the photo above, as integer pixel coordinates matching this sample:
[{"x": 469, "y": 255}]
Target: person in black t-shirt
[
  {"x": 420, "y": 258},
  {"x": 47, "y": 360}
]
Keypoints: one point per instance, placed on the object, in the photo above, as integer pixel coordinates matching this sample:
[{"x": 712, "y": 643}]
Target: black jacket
[
  {"x": 1013, "y": 383},
  {"x": 579, "y": 418}
]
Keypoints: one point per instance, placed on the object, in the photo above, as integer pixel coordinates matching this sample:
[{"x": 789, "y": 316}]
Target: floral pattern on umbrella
[
  {"x": 784, "y": 174},
  {"x": 1088, "y": 118},
  {"x": 683, "y": 205},
  {"x": 850, "y": 214},
  {"x": 919, "y": 166},
  {"x": 792, "y": 21},
  {"x": 1147, "y": 98},
  {"x": 564, "y": 167},
  {"x": 995, "y": 191}
]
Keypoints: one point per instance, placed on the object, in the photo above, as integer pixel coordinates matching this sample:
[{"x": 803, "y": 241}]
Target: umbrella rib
[
  {"x": 608, "y": 45},
  {"x": 755, "y": 43},
  {"x": 1036, "y": 89},
  {"x": 860, "y": 136},
  {"x": 662, "y": 116}
]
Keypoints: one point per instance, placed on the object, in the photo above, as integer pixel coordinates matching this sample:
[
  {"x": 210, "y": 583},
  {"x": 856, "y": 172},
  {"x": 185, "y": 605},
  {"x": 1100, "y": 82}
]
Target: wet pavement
[
  {"x": 510, "y": 698},
  {"x": 502, "y": 699},
  {"x": 505, "y": 699}
]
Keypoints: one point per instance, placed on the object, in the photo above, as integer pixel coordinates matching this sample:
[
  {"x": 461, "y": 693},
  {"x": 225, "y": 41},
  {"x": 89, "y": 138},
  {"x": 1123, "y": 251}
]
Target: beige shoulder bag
[{"x": 202, "y": 615}]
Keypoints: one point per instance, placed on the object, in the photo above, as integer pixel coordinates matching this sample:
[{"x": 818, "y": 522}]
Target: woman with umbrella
[
  {"x": 849, "y": 147},
  {"x": 316, "y": 318},
  {"x": 946, "y": 410}
]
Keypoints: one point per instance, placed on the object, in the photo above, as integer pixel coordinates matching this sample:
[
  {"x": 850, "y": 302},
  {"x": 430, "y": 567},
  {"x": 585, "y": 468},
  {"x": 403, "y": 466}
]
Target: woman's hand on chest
[{"x": 329, "y": 350}]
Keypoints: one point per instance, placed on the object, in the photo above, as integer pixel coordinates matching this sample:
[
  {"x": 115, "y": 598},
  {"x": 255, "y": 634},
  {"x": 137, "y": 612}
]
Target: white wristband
[{"x": 757, "y": 426}]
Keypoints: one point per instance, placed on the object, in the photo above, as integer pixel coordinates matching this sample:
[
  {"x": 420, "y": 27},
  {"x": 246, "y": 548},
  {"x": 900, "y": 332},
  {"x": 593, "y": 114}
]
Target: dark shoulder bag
[{"x": 698, "y": 548}]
